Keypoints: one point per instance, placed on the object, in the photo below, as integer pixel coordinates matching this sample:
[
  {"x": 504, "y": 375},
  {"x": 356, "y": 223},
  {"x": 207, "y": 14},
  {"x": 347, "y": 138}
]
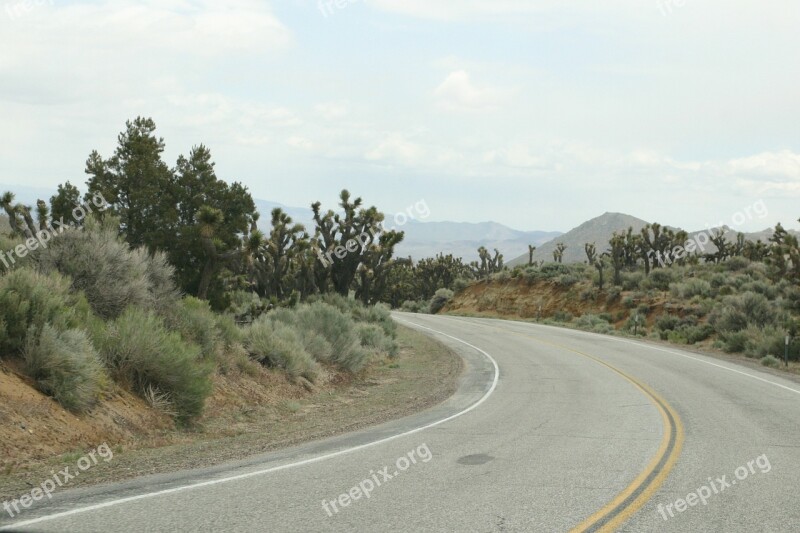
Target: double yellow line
[{"x": 634, "y": 496}]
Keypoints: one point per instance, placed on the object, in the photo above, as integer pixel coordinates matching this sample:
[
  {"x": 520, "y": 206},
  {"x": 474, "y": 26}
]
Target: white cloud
[
  {"x": 782, "y": 166},
  {"x": 331, "y": 110},
  {"x": 396, "y": 149},
  {"x": 458, "y": 93}
]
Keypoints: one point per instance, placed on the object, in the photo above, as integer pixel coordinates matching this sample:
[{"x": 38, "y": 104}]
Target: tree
[
  {"x": 784, "y": 256},
  {"x": 24, "y": 227},
  {"x": 64, "y": 201},
  {"x": 619, "y": 254},
  {"x": 196, "y": 187},
  {"x": 531, "y": 249},
  {"x": 487, "y": 264},
  {"x": 558, "y": 253},
  {"x": 342, "y": 240},
  {"x": 7, "y": 203},
  {"x": 138, "y": 185},
  {"x": 596, "y": 261},
  {"x": 278, "y": 262}
]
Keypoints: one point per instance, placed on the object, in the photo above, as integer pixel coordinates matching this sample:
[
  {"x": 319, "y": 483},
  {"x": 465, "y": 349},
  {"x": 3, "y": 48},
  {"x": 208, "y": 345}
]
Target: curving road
[{"x": 551, "y": 430}]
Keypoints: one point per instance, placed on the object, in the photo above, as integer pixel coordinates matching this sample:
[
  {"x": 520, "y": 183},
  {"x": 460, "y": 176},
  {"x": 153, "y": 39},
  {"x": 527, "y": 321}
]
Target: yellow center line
[{"x": 640, "y": 490}]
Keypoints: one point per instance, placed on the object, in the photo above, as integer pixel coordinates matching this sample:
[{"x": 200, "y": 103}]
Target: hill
[{"x": 597, "y": 230}]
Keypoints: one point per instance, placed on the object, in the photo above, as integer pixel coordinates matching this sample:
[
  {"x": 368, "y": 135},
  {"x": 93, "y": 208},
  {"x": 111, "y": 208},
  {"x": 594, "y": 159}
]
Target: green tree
[
  {"x": 64, "y": 201},
  {"x": 138, "y": 185}
]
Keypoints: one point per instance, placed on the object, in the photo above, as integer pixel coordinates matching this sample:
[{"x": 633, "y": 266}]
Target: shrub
[
  {"x": 277, "y": 345},
  {"x": 381, "y": 315},
  {"x": 336, "y": 328},
  {"x": 112, "y": 276},
  {"x": 29, "y": 300},
  {"x": 65, "y": 366},
  {"x": 503, "y": 275},
  {"x": 142, "y": 352},
  {"x": 740, "y": 311},
  {"x": 632, "y": 281},
  {"x": 553, "y": 270},
  {"x": 636, "y": 323},
  {"x": 734, "y": 341},
  {"x": 440, "y": 299},
  {"x": 413, "y": 306},
  {"x": 589, "y": 321},
  {"x": 374, "y": 338},
  {"x": 695, "y": 334},
  {"x": 660, "y": 279},
  {"x": 460, "y": 284},
  {"x": 588, "y": 294},
  {"x": 197, "y": 323},
  {"x": 737, "y": 263},
  {"x": 770, "y": 361},
  {"x": 9, "y": 243},
  {"x": 691, "y": 288},
  {"x": 667, "y": 322},
  {"x": 230, "y": 333},
  {"x": 613, "y": 295},
  {"x": 567, "y": 280},
  {"x": 763, "y": 341},
  {"x": 316, "y": 345},
  {"x": 603, "y": 327},
  {"x": 562, "y": 316}
]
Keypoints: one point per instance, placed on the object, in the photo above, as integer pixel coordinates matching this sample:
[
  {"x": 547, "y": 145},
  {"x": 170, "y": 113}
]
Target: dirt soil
[{"x": 247, "y": 415}]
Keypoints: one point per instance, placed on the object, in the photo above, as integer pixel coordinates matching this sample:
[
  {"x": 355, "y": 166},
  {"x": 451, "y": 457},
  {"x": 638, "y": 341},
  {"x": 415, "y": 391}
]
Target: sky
[{"x": 537, "y": 114}]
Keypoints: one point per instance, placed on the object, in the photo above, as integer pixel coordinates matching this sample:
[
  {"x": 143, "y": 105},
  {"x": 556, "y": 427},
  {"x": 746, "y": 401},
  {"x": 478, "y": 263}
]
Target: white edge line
[
  {"x": 646, "y": 346},
  {"x": 282, "y": 467}
]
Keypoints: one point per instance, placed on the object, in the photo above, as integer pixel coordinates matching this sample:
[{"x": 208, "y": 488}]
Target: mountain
[
  {"x": 303, "y": 215},
  {"x": 597, "y": 230},
  {"x": 462, "y": 239},
  {"x": 426, "y": 239}
]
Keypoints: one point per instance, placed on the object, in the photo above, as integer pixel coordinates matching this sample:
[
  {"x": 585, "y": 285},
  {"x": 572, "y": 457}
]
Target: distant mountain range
[
  {"x": 599, "y": 231},
  {"x": 426, "y": 239},
  {"x": 462, "y": 239}
]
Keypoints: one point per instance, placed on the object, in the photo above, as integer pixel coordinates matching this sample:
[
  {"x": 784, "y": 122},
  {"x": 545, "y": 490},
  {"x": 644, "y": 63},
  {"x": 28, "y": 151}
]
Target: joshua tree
[
  {"x": 558, "y": 253},
  {"x": 488, "y": 265},
  {"x": 531, "y": 249},
  {"x": 596, "y": 261}
]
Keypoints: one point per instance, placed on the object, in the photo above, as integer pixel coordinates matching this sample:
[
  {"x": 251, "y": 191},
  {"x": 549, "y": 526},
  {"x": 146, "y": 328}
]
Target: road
[{"x": 551, "y": 430}]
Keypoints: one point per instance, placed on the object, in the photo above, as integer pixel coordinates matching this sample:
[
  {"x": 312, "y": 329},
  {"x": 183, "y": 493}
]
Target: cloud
[
  {"x": 331, "y": 110},
  {"x": 458, "y": 93},
  {"x": 783, "y": 166},
  {"x": 396, "y": 149}
]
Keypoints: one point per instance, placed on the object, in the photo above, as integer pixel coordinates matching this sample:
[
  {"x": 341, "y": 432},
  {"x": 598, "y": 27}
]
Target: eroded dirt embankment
[{"x": 248, "y": 413}]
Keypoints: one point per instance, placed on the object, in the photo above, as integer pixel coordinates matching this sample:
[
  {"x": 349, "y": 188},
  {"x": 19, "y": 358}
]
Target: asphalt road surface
[{"x": 551, "y": 430}]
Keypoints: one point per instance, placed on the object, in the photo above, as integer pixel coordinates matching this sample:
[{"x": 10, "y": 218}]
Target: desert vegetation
[
  {"x": 742, "y": 297},
  {"x": 171, "y": 282}
]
